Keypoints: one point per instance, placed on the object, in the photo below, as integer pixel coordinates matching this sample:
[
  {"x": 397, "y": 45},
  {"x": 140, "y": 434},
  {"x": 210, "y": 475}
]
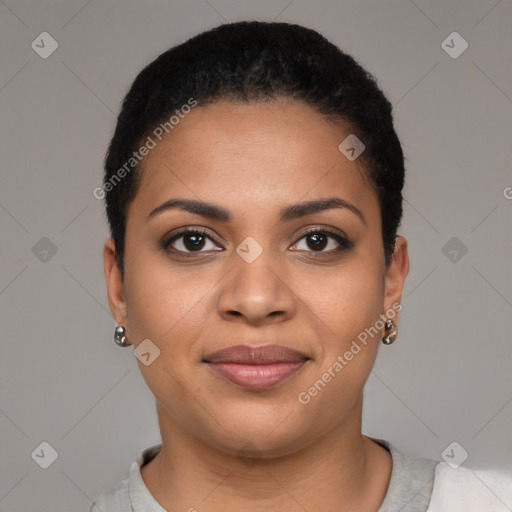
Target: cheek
[
  {"x": 348, "y": 341},
  {"x": 168, "y": 306},
  {"x": 345, "y": 300},
  {"x": 165, "y": 303},
  {"x": 346, "y": 306}
]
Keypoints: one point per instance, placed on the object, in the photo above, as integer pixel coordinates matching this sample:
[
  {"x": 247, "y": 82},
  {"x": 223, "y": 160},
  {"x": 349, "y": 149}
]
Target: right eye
[{"x": 188, "y": 241}]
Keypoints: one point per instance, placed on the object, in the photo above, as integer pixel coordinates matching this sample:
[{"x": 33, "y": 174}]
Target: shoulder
[
  {"x": 131, "y": 494},
  {"x": 470, "y": 490},
  {"x": 411, "y": 481},
  {"x": 115, "y": 499}
]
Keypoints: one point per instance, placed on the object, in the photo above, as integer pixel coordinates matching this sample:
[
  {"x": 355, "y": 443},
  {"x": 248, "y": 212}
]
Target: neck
[{"x": 342, "y": 470}]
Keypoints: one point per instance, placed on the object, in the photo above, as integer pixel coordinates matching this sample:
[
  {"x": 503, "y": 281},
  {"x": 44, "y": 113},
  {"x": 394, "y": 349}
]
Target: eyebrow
[{"x": 288, "y": 213}]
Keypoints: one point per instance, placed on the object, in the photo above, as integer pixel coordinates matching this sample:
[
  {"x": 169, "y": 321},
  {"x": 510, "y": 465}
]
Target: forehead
[{"x": 252, "y": 155}]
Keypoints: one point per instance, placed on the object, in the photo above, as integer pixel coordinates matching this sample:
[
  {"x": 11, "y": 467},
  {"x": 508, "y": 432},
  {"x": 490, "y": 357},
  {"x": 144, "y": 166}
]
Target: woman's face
[{"x": 256, "y": 278}]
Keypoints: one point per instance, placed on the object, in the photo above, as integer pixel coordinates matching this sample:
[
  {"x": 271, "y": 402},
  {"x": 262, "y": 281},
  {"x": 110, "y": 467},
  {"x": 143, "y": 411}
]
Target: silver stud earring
[
  {"x": 391, "y": 337},
  {"x": 120, "y": 336}
]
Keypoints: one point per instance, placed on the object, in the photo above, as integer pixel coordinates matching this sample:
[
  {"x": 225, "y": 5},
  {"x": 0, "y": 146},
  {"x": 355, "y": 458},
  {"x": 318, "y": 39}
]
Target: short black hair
[{"x": 253, "y": 61}]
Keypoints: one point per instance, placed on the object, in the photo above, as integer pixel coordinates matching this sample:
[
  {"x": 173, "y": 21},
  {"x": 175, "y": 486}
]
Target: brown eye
[
  {"x": 190, "y": 241},
  {"x": 317, "y": 240}
]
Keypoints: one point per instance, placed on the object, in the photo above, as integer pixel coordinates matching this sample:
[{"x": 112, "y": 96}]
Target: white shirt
[{"x": 416, "y": 485}]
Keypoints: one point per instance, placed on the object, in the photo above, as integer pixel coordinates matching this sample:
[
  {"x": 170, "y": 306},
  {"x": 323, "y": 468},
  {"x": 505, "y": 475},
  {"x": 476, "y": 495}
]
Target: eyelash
[{"x": 344, "y": 243}]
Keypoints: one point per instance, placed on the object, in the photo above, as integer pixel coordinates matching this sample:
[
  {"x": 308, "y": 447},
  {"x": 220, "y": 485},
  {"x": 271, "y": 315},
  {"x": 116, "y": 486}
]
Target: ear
[
  {"x": 396, "y": 274},
  {"x": 114, "y": 282}
]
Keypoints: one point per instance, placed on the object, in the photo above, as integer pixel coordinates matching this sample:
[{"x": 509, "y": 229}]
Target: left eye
[{"x": 318, "y": 240}]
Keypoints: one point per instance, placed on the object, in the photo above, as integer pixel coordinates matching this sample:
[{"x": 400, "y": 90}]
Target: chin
[{"x": 268, "y": 432}]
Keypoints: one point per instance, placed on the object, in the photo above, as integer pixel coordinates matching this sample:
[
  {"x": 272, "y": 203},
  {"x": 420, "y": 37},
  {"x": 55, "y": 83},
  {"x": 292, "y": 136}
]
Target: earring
[
  {"x": 391, "y": 337},
  {"x": 120, "y": 336}
]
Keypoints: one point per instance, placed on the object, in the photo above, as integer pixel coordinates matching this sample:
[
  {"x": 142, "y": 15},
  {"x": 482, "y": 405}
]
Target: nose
[{"x": 256, "y": 293}]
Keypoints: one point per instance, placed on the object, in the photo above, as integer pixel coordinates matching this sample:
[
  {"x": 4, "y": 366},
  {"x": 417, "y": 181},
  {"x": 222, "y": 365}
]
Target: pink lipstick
[{"x": 256, "y": 368}]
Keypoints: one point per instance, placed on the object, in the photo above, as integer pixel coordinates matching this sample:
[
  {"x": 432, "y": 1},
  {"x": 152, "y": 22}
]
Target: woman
[{"x": 253, "y": 189}]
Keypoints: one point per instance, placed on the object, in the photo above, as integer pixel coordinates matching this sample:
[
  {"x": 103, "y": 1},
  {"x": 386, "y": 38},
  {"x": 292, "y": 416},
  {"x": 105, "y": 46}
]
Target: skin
[{"x": 254, "y": 159}]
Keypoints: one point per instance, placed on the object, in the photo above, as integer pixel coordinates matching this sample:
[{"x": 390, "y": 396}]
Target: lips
[
  {"x": 256, "y": 368},
  {"x": 263, "y": 354}
]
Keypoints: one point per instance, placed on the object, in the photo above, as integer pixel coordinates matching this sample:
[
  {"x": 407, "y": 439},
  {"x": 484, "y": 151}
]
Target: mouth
[{"x": 256, "y": 368}]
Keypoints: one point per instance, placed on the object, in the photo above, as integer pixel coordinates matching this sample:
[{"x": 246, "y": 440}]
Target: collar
[
  {"x": 140, "y": 497},
  {"x": 410, "y": 485}
]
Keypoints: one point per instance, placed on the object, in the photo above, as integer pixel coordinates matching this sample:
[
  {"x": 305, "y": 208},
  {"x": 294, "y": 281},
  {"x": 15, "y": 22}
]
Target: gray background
[{"x": 447, "y": 378}]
